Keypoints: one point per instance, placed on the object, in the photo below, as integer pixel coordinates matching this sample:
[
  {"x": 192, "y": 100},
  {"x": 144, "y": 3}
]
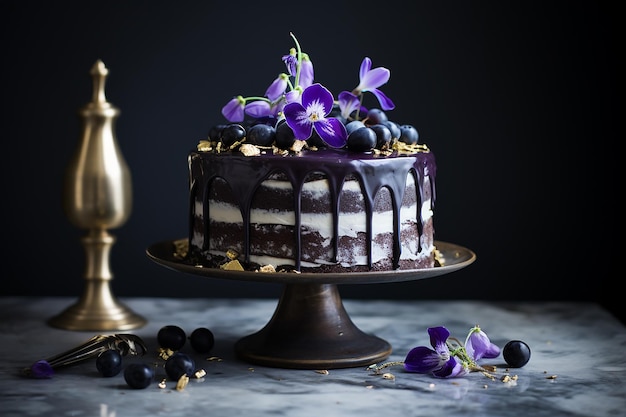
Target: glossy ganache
[{"x": 243, "y": 177}]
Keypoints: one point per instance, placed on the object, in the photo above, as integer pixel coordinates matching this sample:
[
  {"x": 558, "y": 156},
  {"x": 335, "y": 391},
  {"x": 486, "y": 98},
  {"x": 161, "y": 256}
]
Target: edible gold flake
[
  {"x": 439, "y": 258},
  {"x": 162, "y": 384},
  {"x": 406, "y": 149},
  {"x": 505, "y": 378},
  {"x": 165, "y": 353},
  {"x": 249, "y": 150},
  {"x": 322, "y": 371},
  {"x": 181, "y": 248},
  {"x": 205, "y": 146},
  {"x": 388, "y": 375},
  {"x": 200, "y": 373},
  {"x": 214, "y": 358},
  {"x": 232, "y": 254},
  {"x": 182, "y": 382},
  {"x": 233, "y": 265},
  {"x": 298, "y": 145},
  {"x": 267, "y": 268}
]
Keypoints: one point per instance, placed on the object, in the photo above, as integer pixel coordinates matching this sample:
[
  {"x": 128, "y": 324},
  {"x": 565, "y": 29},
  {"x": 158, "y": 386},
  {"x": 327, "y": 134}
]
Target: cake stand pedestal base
[{"x": 310, "y": 318}]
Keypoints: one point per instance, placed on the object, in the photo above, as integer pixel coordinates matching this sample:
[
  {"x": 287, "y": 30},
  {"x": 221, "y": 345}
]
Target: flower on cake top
[{"x": 306, "y": 106}]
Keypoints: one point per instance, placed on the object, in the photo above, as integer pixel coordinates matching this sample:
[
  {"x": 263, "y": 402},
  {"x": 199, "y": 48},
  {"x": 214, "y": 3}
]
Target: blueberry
[
  {"x": 109, "y": 363},
  {"x": 261, "y": 134},
  {"x": 179, "y": 364},
  {"x": 202, "y": 340},
  {"x": 171, "y": 337},
  {"x": 376, "y": 116},
  {"x": 285, "y": 137},
  {"x": 516, "y": 353},
  {"x": 138, "y": 375},
  {"x": 362, "y": 140},
  {"x": 408, "y": 134},
  {"x": 383, "y": 135},
  {"x": 232, "y": 133},
  {"x": 354, "y": 125}
]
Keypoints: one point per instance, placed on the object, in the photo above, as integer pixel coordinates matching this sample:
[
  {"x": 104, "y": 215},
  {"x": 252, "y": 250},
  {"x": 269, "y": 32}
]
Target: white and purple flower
[{"x": 306, "y": 105}]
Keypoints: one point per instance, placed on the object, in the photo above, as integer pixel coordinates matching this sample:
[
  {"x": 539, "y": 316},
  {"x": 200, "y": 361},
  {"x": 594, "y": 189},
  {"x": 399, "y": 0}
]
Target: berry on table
[
  {"x": 202, "y": 340},
  {"x": 171, "y": 337},
  {"x": 179, "y": 364},
  {"x": 516, "y": 353},
  {"x": 138, "y": 375},
  {"x": 109, "y": 363}
]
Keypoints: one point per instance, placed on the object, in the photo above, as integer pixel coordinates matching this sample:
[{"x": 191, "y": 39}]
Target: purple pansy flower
[
  {"x": 316, "y": 103},
  {"x": 370, "y": 79},
  {"x": 437, "y": 361}
]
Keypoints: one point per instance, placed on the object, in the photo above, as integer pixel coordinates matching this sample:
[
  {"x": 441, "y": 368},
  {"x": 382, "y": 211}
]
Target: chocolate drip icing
[{"x": 245, "y": 174}]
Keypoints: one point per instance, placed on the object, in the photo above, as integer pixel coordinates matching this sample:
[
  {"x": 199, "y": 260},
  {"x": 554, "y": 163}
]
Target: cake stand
[{"x": 310, "y": 328}]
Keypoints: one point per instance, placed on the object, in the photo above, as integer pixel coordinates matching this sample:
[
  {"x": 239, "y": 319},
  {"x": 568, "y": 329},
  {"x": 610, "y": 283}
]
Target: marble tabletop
[{"x": 576, "y": 368}]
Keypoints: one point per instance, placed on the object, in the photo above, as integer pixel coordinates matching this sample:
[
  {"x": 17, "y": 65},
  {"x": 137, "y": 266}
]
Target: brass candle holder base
[{"x": 97, "y": 309}]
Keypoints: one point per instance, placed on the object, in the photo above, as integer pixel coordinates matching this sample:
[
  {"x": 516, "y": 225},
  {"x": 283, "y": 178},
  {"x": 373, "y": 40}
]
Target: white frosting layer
[{"x": 350, "y": 224}]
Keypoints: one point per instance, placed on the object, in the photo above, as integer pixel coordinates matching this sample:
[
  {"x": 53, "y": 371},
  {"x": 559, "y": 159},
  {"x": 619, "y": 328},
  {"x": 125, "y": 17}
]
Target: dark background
[{"x": 517, "y": 99}]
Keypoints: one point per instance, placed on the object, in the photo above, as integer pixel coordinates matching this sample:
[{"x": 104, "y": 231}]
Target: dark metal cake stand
[{"x": 310, "y": 328}]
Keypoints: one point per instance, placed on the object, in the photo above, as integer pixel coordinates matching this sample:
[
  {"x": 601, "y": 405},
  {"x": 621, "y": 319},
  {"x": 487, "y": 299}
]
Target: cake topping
[{"x": 297, "y": 113}]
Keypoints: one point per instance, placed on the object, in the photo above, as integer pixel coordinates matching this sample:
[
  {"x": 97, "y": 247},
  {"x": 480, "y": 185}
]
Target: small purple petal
[
  {"x": 493, "y": 351},
  {"x": 306, "y": 72},
  {"x": 332, "y": 132},
  {"x": 258, "y": 109},
  {"x": 348, "y": 103},
  {"x": 293, "y": 96},
  {"x": 438, "y": 336},
  {"x": 479, "y": 346},
  {"x": 422, "y": 360},
  {"x": 233, "y": 111},
  {"x": 451, "y": 369},
  {"x": 296, "y": 118},
  {"x": 366, "y": 65},
  {"x": 374, "y": 79},
  {"x": 385, "y": 102},
  {"x": 317, "y": 93},
  {"x": 277, "y": 88},
  {"x": 41, "y": 370},
  {"x": 291, "y": 63}
]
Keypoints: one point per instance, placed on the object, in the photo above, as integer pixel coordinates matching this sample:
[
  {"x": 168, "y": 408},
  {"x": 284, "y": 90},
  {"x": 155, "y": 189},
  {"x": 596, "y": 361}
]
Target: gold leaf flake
[
  {"x": 249, "y": 150},
  {"x": 205, "y": 146},
  {"x": 233, "y": 265},
  {"x": 200, "y": 373},
  {"x": 182, "y": 382},
  {"x": 162, "y": 384},
  {"x": 267, "y": 268},
  {"x": 388, "y": 375},
  {"x": 322, "y": 371},
  {"x": 232, "y": 254}
]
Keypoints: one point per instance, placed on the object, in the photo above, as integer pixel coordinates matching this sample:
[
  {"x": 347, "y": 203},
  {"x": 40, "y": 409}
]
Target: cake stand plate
[{"x": 310, "y": 328}]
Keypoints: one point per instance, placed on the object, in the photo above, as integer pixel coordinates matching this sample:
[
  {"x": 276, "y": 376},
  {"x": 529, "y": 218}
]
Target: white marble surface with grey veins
[{"x": 577, "y": 365}]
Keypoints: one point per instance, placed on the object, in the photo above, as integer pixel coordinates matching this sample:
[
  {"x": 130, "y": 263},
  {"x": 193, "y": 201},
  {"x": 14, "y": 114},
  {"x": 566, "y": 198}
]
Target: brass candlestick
[{"x": 98, "y": 196}]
